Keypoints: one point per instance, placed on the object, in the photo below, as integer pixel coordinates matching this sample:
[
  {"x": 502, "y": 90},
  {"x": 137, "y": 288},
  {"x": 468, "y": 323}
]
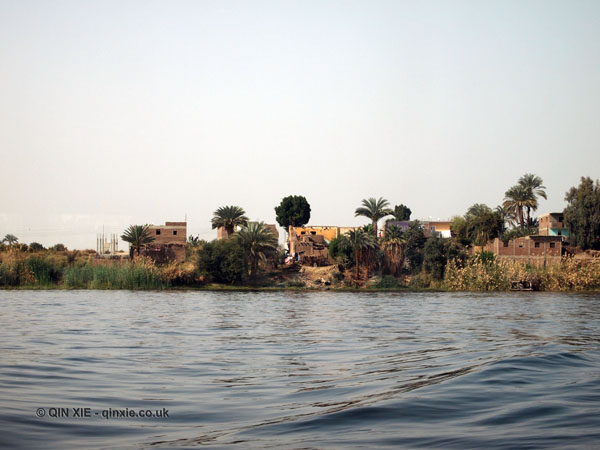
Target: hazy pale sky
[{"x": 124, "y": 112}]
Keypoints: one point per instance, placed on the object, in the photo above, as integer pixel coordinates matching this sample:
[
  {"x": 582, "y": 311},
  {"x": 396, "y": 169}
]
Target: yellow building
[{"x": 328, "y": 233}]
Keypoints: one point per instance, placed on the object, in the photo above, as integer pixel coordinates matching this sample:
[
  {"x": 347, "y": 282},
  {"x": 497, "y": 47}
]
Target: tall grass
[
  {"x": 496, "y": 275},
  {"x": 138, "y": 274}
]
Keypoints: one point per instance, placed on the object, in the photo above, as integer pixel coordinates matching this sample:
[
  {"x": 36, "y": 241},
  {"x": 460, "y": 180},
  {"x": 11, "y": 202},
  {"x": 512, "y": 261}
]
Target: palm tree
[
  {"x": 517, "y": 198},
  {"x": 10, "y": 239},
  {"x": 507, "y": 216},
  {"x": 535, "y": 187},
  {"x": 137, "y": 235},
  {"x": 229, "y": 217},
  {"x": 361, "y": 241},
  {"x": 393, "y": 250},
  {"x": 374, "y": 210},
  {"x": 258, "y": 242}
]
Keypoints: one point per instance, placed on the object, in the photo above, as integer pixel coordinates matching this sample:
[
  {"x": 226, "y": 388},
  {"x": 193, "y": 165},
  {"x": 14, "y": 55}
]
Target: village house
[
  {"x": 538, "y": 250},
  {"x": 310, "y": 244},
  {"x": 553, "y": 224},
  {"x": 430, "y": 228},
  {"x": 169, "y": 242}
]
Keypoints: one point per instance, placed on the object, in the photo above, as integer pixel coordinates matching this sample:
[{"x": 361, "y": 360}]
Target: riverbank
[{"x": 56, "y": 271}]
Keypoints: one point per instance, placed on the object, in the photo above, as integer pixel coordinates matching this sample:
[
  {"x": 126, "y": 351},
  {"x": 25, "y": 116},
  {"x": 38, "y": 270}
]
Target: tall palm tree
[
  {"x": 361, "y": 241},
  {"x": 374, "y": 210},
  {"x": 10, "y": 239},
  {"x": 393, "y": 250},
  {"x": 137, "y": 235},
  {"x": 258, "y": 242},
  {"x": 517, "y": 198},
  {"x": 534, "y": 184},
  {"x": 229, "y": 217}
]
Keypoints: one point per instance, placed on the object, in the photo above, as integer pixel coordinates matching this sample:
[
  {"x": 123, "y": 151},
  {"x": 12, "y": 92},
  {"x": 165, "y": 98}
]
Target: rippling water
[{"x": 309, "y": 370}]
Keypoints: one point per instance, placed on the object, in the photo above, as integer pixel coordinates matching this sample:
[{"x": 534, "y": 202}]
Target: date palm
[
  {"x": 517, "y": 198},
  {"x": 137, "y": 235},
  {"x": 536, "y": 189},
  {"x": 258, "y": 242},
  {"x": 229, "y": 217},
  {"x": 361, "y": 241},
  {"x": 374, "y": 210},
  {"x": 392, "y": 245},
  {"x": 10, "y": 239}
]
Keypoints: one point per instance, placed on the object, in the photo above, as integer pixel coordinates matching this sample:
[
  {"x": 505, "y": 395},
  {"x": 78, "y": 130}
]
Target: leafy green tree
[
  {"x": 483, "y": 224},
  {"x": 36, "y": 247},
  {"x": 58, "y": 247},
  {"x": 413, "y": 247},
  {"x": 374, "y": 209},
  {"x": 459, "y": 228},
  {"x": 137, "y": 235},
  {"x": 434, "y": 258},
  {"x": 10, "y": 239},
  {"x": 258, "y": 242},
  {"x": 341, "y": 250},
  {"x": 229, "y": 217},
  {"x": 221, "y": 261},
  {"x": 582, "y": 214},
  {"x": 293, "y": 210},
  {"x": 361, "y": 242},
  {"x": 437, "y": 252},
  {"x": 401, "y": 213}
]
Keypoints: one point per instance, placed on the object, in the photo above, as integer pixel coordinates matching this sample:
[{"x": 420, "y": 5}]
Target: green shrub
[{"x": 222, "y": 262}]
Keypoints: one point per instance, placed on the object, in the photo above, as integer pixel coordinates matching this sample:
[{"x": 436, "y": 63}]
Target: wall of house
[
  {"x": 164, "y": 253},
  {"x": 329, "y": 233},
  {"x": 169, "y": 233},
  {"x": 548, "y": 249}
]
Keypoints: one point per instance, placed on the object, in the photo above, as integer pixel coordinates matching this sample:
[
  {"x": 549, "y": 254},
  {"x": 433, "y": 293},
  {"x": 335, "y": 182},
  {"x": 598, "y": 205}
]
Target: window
[
  {"x": 521, "y": 245},
  {"x": 561, "y": 219},
  {"x": 432, "y": 229},
  {"x": 560, "y": 232},
  {"x": 314, "y": 233},
  {"x": 157, "y": 232},
  {"x": 174, "y": 232},
  {"x": 303, "y": 233},
  {"x": 537, "y": 245},
  {"x": 552, "y": 244},
  {"x": 505, "y": 243}
]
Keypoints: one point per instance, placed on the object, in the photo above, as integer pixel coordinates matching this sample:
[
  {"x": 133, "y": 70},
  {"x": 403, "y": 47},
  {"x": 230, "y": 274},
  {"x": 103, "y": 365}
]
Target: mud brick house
[
  {"x": 311, "y": 244},
  {"x": 538, "y": 250},
  {"x": 169, "y": 242}
]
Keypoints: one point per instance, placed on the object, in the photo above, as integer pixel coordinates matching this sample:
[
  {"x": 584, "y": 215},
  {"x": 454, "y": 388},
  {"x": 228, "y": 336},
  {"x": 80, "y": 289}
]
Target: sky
[{"x": 130, "y": 112}]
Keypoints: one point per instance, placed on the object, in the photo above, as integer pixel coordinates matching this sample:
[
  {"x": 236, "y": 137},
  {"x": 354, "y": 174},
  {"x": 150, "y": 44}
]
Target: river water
[{"x": 299, "y": 370}]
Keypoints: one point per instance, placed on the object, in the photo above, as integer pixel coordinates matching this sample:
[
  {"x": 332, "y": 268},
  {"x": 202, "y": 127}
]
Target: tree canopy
[
  {"x": 401, "y": 212},
  {"x": 582, "y": 214},
  {"x": 10, "y": 239},
  {"x": 229, "y": 217},
  {"x": 374, "y": 209},
  {"x": 258, "y": 242},
  {"x": 293, "y": 210},
  {"x": 137, "y": 235}
]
